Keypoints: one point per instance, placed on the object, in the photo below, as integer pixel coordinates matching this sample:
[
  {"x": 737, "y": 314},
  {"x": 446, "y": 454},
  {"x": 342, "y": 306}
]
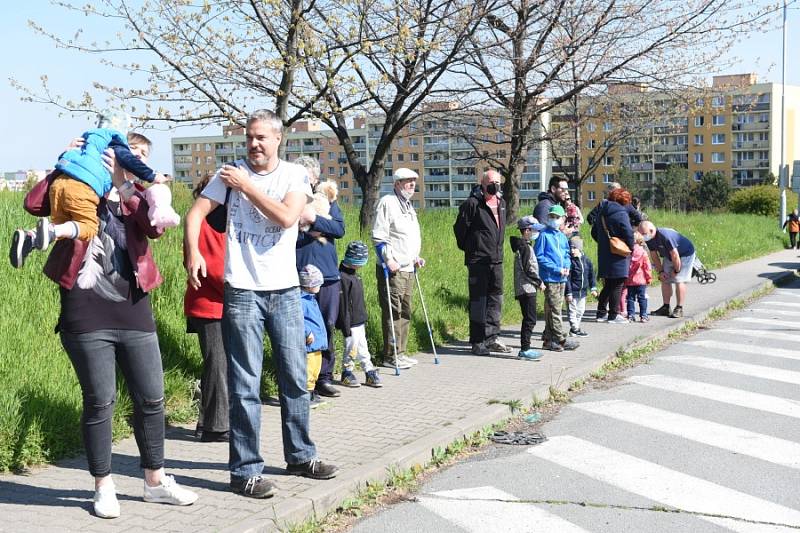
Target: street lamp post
[{"x": 783, "y": 174}]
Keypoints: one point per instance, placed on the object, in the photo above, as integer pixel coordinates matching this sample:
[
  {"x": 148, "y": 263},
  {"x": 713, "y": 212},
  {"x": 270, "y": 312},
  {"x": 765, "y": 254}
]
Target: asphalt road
[{"x": 705, "y": 437}]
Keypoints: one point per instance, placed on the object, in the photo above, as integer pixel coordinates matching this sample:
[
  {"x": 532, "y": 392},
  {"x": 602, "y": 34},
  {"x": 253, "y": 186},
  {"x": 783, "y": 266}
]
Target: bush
[{"x": 757, "y": 200}]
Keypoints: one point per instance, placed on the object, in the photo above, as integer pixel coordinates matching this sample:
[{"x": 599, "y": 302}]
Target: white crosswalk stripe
[
  {"x": 488, "y": 509},
  {"x": 769, "y": 322},
  {"x": 717, "y": 393},
  {"x": 793, "y": 294},
  {"x": 781, "y": 304},
  {"x": 775, "y": 312},
  {"x": 761, "y": 334},
  {"x": 744, "y": 348},
  {"x": 741, "y": 441},
  {"x": 659, "y": 483},
  {"x": 756, "y": 371}
]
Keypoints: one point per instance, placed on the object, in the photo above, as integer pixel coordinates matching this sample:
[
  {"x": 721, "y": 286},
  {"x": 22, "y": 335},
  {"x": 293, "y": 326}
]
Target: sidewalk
[{"x": 364, "y": 431}]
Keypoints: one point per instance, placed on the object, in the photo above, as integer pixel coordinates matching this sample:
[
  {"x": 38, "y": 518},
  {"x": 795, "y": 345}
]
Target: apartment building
[
  {"x": 443, "y": 149},
  {"x": 733, "y": 128}
]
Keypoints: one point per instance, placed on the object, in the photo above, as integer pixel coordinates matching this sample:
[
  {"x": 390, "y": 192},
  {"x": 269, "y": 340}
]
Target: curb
[{"x": 324, "y": 498}]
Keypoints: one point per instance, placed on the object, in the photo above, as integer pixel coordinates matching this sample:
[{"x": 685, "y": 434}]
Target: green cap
[{"x": 557, "y": 210}]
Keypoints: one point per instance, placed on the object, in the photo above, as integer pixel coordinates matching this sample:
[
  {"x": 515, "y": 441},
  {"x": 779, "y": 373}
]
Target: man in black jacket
[
  {"x": 479, "y": 231},
  {"x": 557, "y": 190}
]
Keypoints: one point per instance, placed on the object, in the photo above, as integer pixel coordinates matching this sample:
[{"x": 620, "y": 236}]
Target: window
[
  {"x": 698, "y": 140},
  {"x": 763, "y": 98},
  {"x": 591, "y": 127},
  {"x": 591, "y": 144},
  {"x": 500, "y": 137},
  {"x": 718, "y": 138},
  {"x": 414, "y": 156},
  {"x": 718, "y": 120},
  {"x": 698, "y": 157},
  {"x": 699, "y": 121},
  {"x": 608, "y": 161},
  {"x": 413, "y": 141},
  {"x": 700, "y": 102},
  {"x": 607, "y": 126},
  {"x": 344, "y": 184},
  {"x": 718, "y": 101},
  {"x": 608, "y": 178},
  {"x": 331, "y": 171},
  {"x": 400, "y": 157},
  {"x": 591, "y": 179},
  {"x": 591, "y": 195},
  {"x": 331, "y": 155},
  {"x": 209, "y": 160},
  {"x": 698, "y": 175},
  {"x": 718, "y": 157}
]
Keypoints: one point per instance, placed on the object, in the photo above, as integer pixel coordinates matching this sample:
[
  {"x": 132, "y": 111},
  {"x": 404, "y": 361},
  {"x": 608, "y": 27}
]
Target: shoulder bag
[{"x": 617, "y": 245}]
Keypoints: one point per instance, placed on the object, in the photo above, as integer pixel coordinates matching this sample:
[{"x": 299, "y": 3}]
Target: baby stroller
[{"x": 702, "y": 273}]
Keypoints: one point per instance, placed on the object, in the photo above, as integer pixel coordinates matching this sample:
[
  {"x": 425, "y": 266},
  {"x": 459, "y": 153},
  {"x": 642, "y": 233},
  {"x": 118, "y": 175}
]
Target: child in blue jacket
[
  {"x": 553, "y": 256},
  {"x": 316, "y": 336}
]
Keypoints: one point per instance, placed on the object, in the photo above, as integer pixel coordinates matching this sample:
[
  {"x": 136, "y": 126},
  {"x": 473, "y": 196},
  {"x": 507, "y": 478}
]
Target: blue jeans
[
  {"x": 245, "y": 316},
  {"x": 637, "y": 293}
]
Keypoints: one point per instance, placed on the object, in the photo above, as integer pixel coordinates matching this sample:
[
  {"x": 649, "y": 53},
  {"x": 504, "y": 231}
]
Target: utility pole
[{"x": 783, "y": 174}]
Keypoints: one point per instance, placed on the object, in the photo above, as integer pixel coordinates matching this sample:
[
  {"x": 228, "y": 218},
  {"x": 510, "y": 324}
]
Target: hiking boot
[
  {"x": 314, "y": 469},
  {"x": 497, "y": 346},
  {"x": 677, "y": 312},
  {"x": 662, "y": 311},
  {"x": 315, "y": 400},
  {"x": 570, "y": 345},
  {"x": 349, "y": 380},
  {"x": 400, "y": 364},
  {"x": 373, "y": 379},
  {"x": 21, "y": 246},
  {"x": 105, "y": 503},
  {"x": 553, "y": 346},
  {"x": 479, "y": 348},
  {"x": 214, "y": 436},
  {"x": 43, "y": 235},
  {"x": 254, "y": 487},
  {"x": 407, "y": 360},
  {"x": 324, "y": 388},
  {"x": 619, "y": 319},
  {"x": 529, "y": 354},
  {"x": 168, "y": 491}
]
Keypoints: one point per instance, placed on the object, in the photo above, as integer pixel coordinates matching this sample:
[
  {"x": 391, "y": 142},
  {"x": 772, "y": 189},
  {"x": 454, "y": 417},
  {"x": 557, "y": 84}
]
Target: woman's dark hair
[
  {"x": 621, "y": 196},
  {"x": 201, "y": 185},
  {"x": 636, "y": 202}
]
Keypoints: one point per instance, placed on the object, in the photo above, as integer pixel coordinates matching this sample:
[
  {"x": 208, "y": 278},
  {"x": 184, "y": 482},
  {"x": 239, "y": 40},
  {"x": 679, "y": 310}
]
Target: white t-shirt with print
[{"x": 260, "y": 253}]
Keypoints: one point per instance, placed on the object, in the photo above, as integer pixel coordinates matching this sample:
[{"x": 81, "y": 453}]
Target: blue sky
[{"x": 34, "y": 134}]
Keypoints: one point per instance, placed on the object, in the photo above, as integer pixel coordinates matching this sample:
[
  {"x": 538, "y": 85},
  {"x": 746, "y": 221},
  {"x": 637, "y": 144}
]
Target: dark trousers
[
  {"x": 214, "y": 381},
  {"x": 95, "y": 356},
  {"x": 609, "y": 297},
  {"x": 793, "y": 240},
  {"x": 527, "y": 304},
  {"x": 328, "y": 301},
  {"x": 485, "y": 301},
  {"x": 637, "y": 293}
]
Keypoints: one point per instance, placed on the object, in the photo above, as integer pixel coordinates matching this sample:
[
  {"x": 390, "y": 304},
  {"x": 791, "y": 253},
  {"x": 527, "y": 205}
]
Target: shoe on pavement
[
  {"x": 601, "y": 318},
  {"x": 43, "y": 236},
  {"x": 530, "y": 354},
  {"x": 662, "y": 311},
  {"x": 326, "y": 389},
  {"x": 168, "y": 491},
  {"x": 644, "y": 319},
  {"x": 408, "y": 360},
  {"x": 553, "y": 346},
  {"x": 314, "y": 469},
  {"x": 582, "y": 333},
  {"x": 349, "y": 380},
  {"x": 21, "y": 246},
  {"x": 373, "y": 379},
  {"x": 400, "y": 364},
  {"x": 577, "y": 332},
  {"x": 619, "y": 319},
  {"x": 105, "y": 503},
  {"x": 315, "y": 400},
  {"x": 570, "y": 345},
  {"x": 677, "y": 312},
  {"x": 214, "y": 436},
  {"x": 254, "y": 487},
  {"x": 480, "y": 348},
  {"x": 497, "y": 346}
]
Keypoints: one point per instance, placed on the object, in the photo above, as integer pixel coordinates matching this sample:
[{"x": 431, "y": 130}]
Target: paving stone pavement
[{"x": 364, "y": 432}]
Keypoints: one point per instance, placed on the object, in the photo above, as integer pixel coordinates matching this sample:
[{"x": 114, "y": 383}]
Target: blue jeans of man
[{"x": 246, "y": 315}]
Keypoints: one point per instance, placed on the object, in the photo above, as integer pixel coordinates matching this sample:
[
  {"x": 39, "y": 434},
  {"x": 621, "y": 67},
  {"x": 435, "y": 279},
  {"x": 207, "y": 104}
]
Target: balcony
[
  {"x": 182, "y": 166},
  {"x": 437, "y": 194},
  {"x": 461, "y": 146},
  {"x": 224, "y": 151},
  {"x": 241, "y": 151},
  {"x": 315, "y": 147},
  {"x": 433, "y": 163},
  {"x": 743, "y": 108},
  {"x": 751, "y": 163},
  {"x": 360, "y": 146},
  {"x": 181, "y": 152},
  {"x": 671, "y": 147},
  {"x": 751, "y": 126},
  {"x": 639, "y": 167},
  {"x": 751, "y": 145},
  {"x": 428, "y": 178}
]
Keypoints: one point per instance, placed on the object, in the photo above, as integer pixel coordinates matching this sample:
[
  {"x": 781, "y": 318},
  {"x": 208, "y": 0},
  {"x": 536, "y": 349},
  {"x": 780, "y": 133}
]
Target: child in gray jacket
[{"x": 526, "y": 281}]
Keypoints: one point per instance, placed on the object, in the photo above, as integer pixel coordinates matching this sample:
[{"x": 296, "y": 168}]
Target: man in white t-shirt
[{"x": 264, "y": 197}]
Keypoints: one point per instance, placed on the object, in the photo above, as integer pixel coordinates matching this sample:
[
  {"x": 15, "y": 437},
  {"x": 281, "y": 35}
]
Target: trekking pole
[
  {"x": 379, "y": 252},
  {"x": 427, "y": 320}
]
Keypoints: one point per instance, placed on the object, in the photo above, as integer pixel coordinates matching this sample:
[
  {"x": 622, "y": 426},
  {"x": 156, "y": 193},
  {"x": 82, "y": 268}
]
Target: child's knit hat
[
  {"x": 115, "y": 120},
  {"x": 356, "y": 254},
  {"x": 310, "y": 277},
  {"x": 529, "y": 221},
  {"x": 576, "y": 242}
]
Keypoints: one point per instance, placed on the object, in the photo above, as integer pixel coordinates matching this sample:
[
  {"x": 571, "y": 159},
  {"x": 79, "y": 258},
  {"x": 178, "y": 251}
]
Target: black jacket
[
  {"x": 352, "y": 310},
  {"x": 542, "y": 209},
  {"x": 476, "y": 231},
  {"x": 581, "y": 276}
]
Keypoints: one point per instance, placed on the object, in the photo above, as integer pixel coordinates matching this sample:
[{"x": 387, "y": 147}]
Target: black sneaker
[
  {"x": 349, "y": 380},
  {"x": 373, "y": 379},
  {"x": 314, "y": 469},
  {"x": 214, "y": 436},
  {"x": 677, "y": 312},
  {"x": 662, "y": 311},
  {"x": 480, "y": 348},
  {"x": 254, "y": 487},
  {"x": 581, "y": 333},
  {"x": 21, "y": 246}
]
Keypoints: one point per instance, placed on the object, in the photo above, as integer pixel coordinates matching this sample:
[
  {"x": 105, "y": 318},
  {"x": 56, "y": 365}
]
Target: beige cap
[{"x": 405, "y": 174}]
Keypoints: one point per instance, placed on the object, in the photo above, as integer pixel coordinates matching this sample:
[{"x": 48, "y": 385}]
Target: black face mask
[{"x": 491, "y": 189}]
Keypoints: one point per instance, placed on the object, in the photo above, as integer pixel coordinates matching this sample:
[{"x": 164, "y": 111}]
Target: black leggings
[{"x": 610, "y": 297}]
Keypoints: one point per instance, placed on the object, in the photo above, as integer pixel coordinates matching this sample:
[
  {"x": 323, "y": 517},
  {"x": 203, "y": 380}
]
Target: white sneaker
[
  {"x": 408, "y": 360},
  {"x": 106, "y": 504},
  {"x": 169, "y": 492}
]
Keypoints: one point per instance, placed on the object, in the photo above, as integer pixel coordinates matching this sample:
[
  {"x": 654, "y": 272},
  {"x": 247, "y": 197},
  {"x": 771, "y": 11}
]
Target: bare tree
[{"x": 521, "y": 58}]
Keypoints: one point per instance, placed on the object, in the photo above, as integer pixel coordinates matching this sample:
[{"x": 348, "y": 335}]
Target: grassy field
[{"x": 40, "y": 400}]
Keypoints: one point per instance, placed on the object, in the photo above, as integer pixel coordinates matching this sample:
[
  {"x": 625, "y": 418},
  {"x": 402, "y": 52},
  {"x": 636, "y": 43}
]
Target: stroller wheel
[{"x": 711, "y": 277}]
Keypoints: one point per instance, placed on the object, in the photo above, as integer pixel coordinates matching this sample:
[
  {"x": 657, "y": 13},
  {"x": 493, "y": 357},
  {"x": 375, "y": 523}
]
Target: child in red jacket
[{"x": 639, "y": 277}]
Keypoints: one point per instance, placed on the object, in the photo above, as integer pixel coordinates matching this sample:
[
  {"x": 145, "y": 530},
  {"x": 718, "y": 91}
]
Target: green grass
[{"x": 40, "y": 399}]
